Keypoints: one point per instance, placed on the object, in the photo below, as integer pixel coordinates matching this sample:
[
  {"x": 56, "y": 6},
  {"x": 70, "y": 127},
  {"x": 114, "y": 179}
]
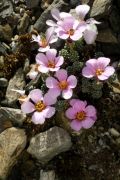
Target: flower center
[
  {"x": 51, "y": 64},
  {"x": 63, "y": 85},
  {"x": 44, "y": 42},
  {"x": 40, "y": 106},
  {"x": 80, "y": 115},
  {"x": 36, "y": 67},
  {"x": 71, "y": 32},
  {"x": 99, "y": 72}
]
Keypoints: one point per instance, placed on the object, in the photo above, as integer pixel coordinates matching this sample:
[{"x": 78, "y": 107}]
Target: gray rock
[
  {"x": 114, "y": 132},
  {"x": 47, "y": 175},
  {"x": 101, "y": 8},
  {"x": 114, "y": 20},
  {"x": 16, "y": 116},
  {"x": 106, "y": 36},
  {"x": 74, "y": 3},
  {"x": 12, "y": 143},
  {"x": 5, "y": 32},
  {"x": 40, "y": 24},
  {"x": 3, "y": 82},
  {"x": 32, "y": 3},
  {"x": 24, "y": 22},
  {"x": 46, "y": 145},
  {"x": 6, "y": 9},
  {"x": 18, "y": 82}
]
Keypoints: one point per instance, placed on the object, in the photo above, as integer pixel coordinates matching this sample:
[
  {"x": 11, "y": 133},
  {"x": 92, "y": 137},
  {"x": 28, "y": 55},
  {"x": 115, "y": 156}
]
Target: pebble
[{"x": 114, "y": 132}]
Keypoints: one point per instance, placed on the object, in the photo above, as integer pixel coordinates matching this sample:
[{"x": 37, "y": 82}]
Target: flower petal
[
  {"x": 77, "y": 35},
  {"x": 79, "y": 105},
  {"x": 55, "y": 13},
  {"x": 87, "y": 72},
  {"x": 70, "y": 113},
  {"x": 76, "y": 125},
  {"x": 109, "y": 71},
  {"x": 61, "y": 74},
  {"x": 82, "y": 10},
  {"x": 49, "y": 99},
  {"x": 42, "y": 49},
  {"x": 90, "y": 111},
  {"x": 90, "y": 35},
  {"x": 49, "y": 111},
  {"x": 59, "y": 61},
  {"x": 102, "y": 62},
  {"x": 36, "y": 95},
  {"x": 51, "y": 23},
  {"x": 51, "y": 82},
  {"x": 43, "y": 69},
  {"x": 51, "y": 54},
  {"x": 32, "y": 74},
  {"x": 67, "y": 94},
  {"x": 72, "y": 81},
  {"x": 41, "y": 59},
  {"x": 87, "y": 123},
  {"x": 38, "y": 118},
  {"x": 27, "y": 107},
  {"x": 62, "y": 34}
]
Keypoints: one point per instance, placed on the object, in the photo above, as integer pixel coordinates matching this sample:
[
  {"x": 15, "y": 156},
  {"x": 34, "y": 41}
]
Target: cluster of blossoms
[{"x": 58, "y": 82}]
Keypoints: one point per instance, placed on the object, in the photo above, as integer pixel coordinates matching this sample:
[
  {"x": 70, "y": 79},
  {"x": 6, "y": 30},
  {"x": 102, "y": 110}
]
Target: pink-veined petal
[
  {"x": 51, "y": 82},
  {"x": 77, "y": 35},
  {"x": 44, "y": 49},
  {"x": 90, "y": 111},
  {"x": 41, "y": 59},
  {"x": 76, "y": 125},
  {"x": 49, "y": 99},
  {"x": 43, "y": 69},
  {"x": 61, "y": 74},
  {"x": 55, "y": 92},
  {"x": 49, "y": 111},
  {"x": 70, "y": 113},
  {"x": 67, "y": 94},
  {"x": 51, "y": 54},
  {"x": 79, "y": 105},
  {"x": 87, "y": 123},
  {"x": 102, "y": 62},
  {"x": 62, "y": 34},
  {"x": 87, "y": 72},
  {"x": 55, "y": 13},
  {"x": 90, "y": 35},
  {"x": 72, "y": 81},
  {"x": 82, "y": 10},
  {"x": 38, "y": 118},
  {"x": 73, "y": 101},
  {"x": 27, "y": 107},
  {"x": 36, "y": 95},
  {"x": 51, "y": 23},
  {"x": 59, "y": 61},
  {"x": 109, "y": 71}
]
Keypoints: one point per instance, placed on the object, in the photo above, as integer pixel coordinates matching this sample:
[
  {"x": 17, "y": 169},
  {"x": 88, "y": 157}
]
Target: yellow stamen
[
  {"x": 40, "y": 106},
  {"x": 44, "y": 42},
  {"x": 80, "y": 116},
  {"x": 63, "y": 85},
  {"x": 71, "y": 32},
  {"x": 51, "y": 64},
  {"x": 99, "y": 72}
]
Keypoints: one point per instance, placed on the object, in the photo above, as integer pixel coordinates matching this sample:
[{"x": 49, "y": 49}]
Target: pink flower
[
  {"x": 70, "y": 28},
  {"x": 40, "y": 106},
  {"x": 90, "y": 32},
  {"x": 99, "y": 68},
  {"x": 62, "y": 83},
  {"x": 44, "y": 41},
  {"x": 49, "y": 62},
  {"x": 58, "y": 16},
  {"x": 81, "y": 115}
]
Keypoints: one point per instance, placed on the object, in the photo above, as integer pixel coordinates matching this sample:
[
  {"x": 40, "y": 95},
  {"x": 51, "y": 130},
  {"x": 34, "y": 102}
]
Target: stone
[
  {"x": 100, "y": 8},
  {"x": 47, "y": 175},
  {"x": 5, "y": 32},
  {"x": 46, "y": 145},
  {"x": 16, "y": 116},
  {"x": 118, "y": 141},
  {"x": 114, "y": 132},
  {"x": 74, "y": 3},
  {"x": 114, "y": 19},
  {"x": 6, "y": 9},
  {"x": 3, "y": 82},
  {"x": 32, "y": 3},
  {"x": 17, "y": 82},
  {"x": 24, "y": 22},
  {"x": 106, "y": 36},
  {"x": 40, "y": 24},
  {"x": 12, "y": 143}
]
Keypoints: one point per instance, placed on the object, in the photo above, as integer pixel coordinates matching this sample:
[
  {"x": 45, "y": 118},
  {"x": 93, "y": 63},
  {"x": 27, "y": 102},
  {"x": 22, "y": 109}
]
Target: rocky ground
[{"x": 53, "y": 151}]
